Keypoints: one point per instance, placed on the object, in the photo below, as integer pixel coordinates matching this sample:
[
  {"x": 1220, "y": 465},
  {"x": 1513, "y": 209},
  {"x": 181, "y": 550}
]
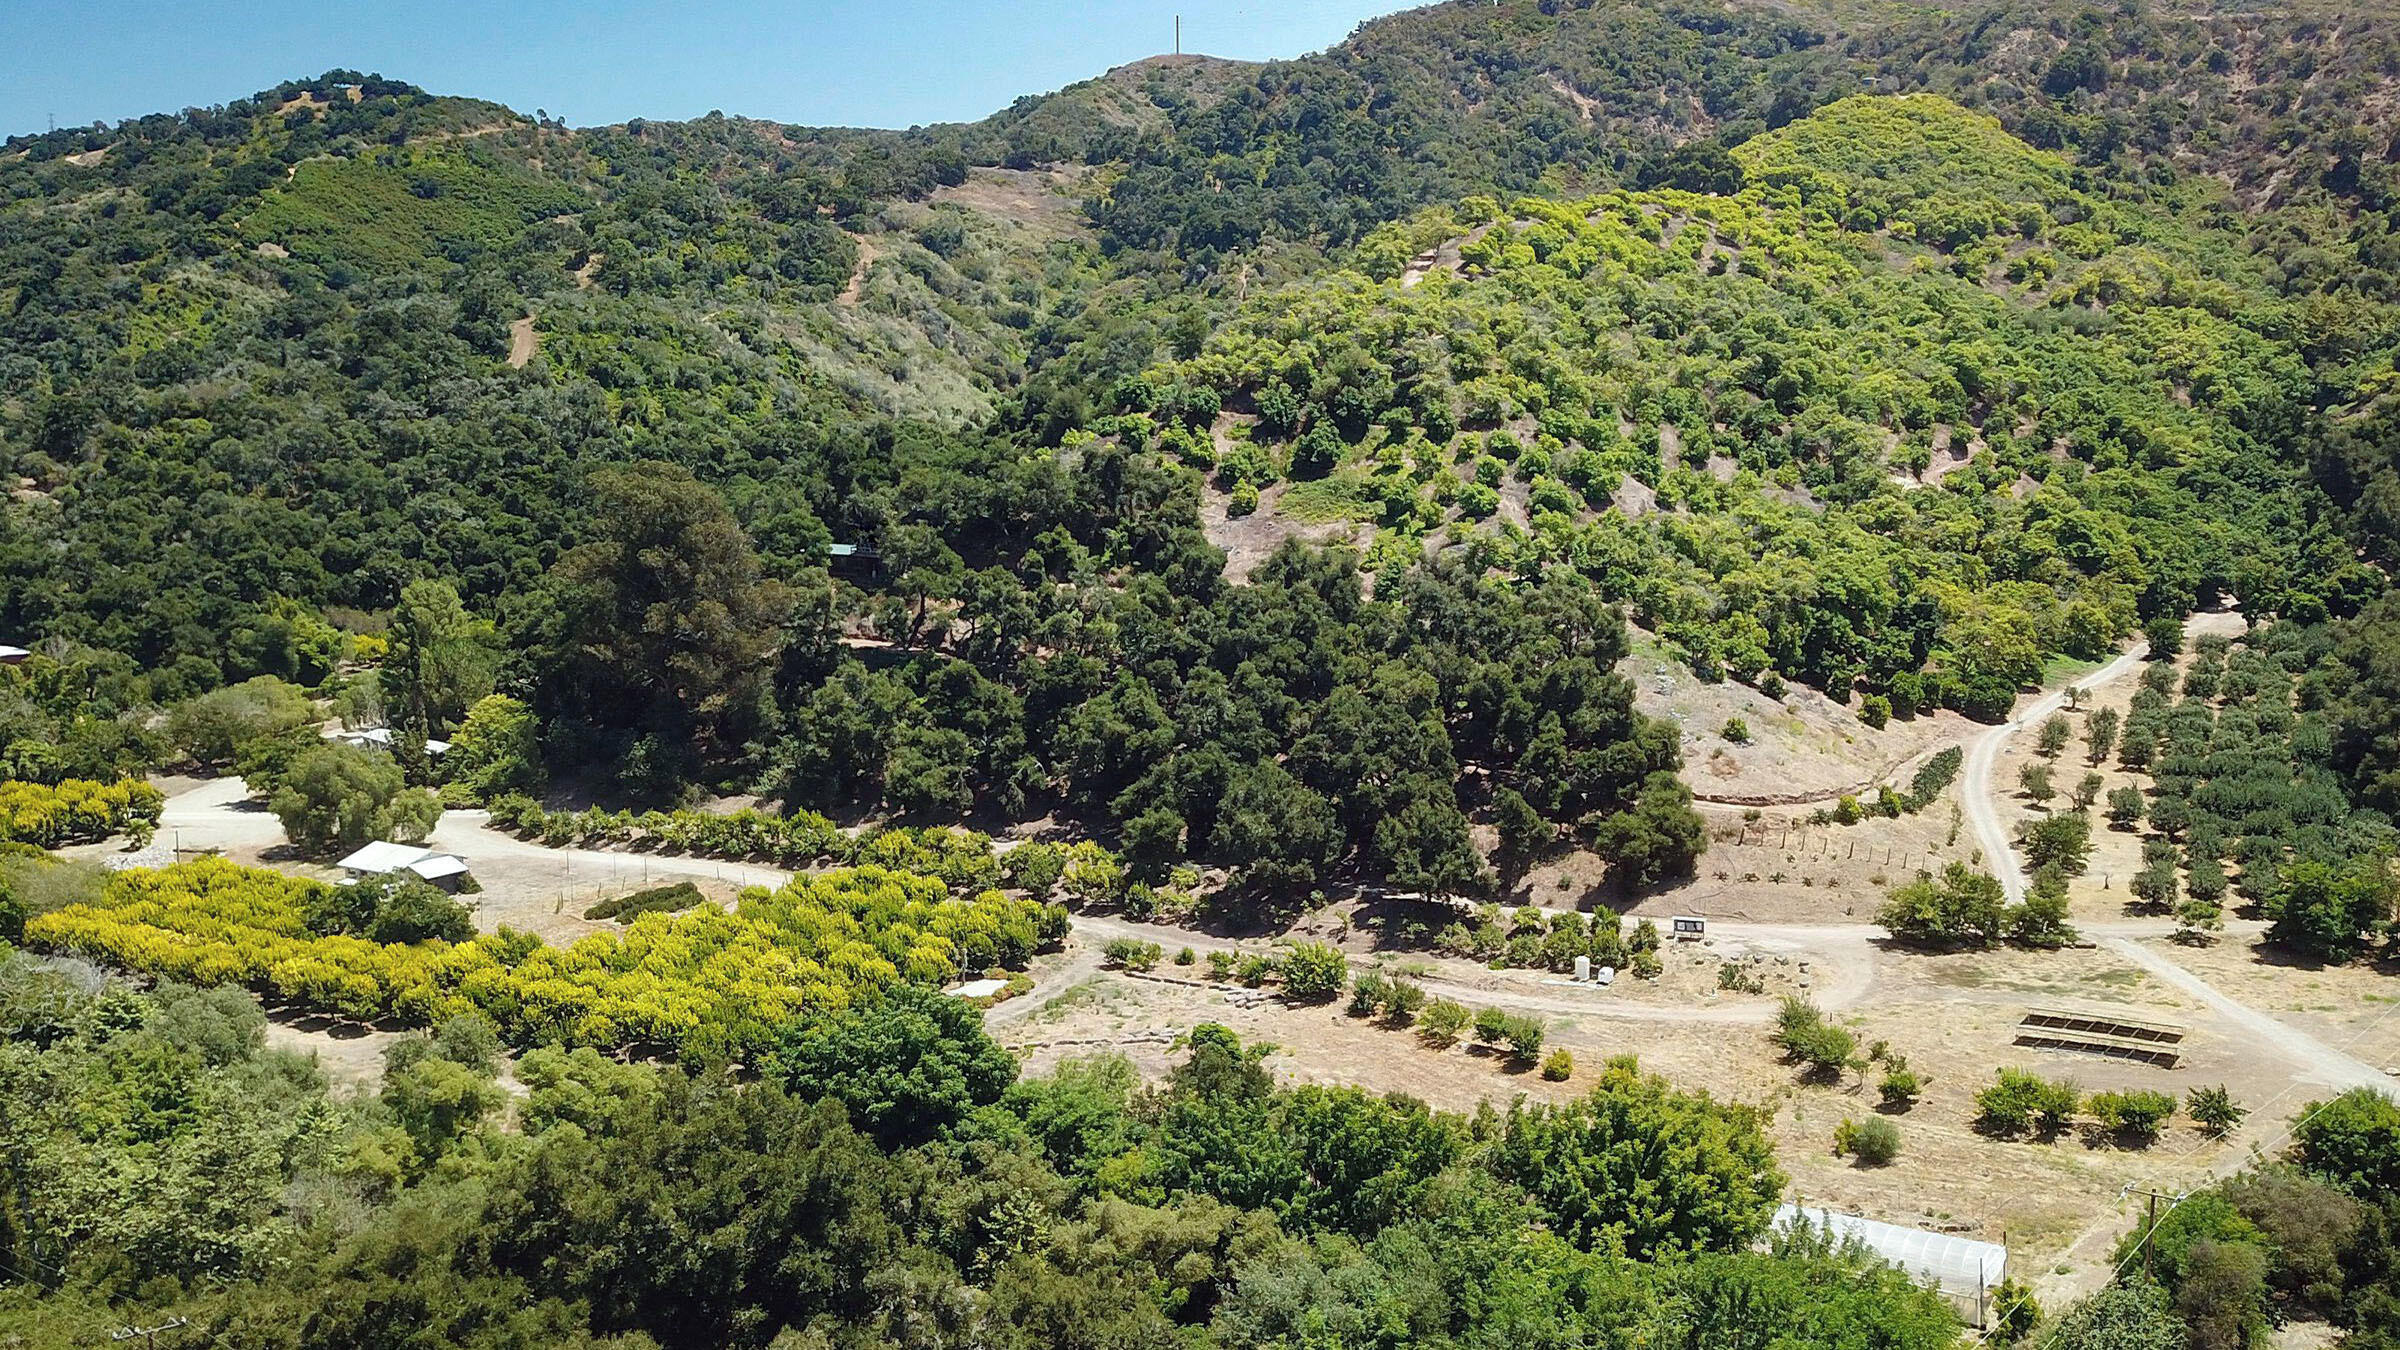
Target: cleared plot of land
[
  {"x": 1249, "y": 539},
  {"x": 1045, "y": 203}
]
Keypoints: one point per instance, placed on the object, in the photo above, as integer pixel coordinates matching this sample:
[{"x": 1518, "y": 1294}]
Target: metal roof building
[{"x": 383, "y": 859}]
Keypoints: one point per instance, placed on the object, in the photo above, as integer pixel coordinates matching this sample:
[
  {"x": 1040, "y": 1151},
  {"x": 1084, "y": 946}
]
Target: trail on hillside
[
  {"x": 1983, "y": 809},
  {"x": 523, "y": 341}
]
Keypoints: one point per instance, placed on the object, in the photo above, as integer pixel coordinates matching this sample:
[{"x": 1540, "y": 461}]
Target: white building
[
  {"x": 386, "y": 859},
  {"x": 1962, "y": 1269},
  {"x": 380, "y": 738}
]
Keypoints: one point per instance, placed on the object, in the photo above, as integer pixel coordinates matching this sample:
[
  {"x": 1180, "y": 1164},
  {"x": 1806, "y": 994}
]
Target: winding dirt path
[
  {"x": 523, "y": 342},
  {"x": 2312, "y": 1060},
  {"x": 1982, "y": 808}
]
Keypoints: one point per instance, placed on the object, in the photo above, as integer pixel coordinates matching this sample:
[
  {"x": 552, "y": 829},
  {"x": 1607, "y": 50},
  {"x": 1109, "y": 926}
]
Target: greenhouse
[{"x": 1962, "y": 1268}]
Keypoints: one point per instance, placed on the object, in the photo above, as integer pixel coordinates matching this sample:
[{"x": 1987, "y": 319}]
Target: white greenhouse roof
[
  {"x": 1956, "y": 1265},
  {"x": 384, "y": 858},
  {"x": 979, "y": 989},
  {"x": 381, "y": 738}
]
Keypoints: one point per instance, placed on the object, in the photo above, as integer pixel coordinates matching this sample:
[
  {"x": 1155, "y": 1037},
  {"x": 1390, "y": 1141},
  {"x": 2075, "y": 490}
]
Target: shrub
[
  {"x": 1491, "y": 1025},
  {"x": 656, "y": 900},
  {"x": 1824, "y": 1048},
  {"x": 1443, "y": 1020},
  {"x": 2214, "y": 1111},
  {"x": 1185, "y": 957},
  {"x": 1524, "y": 1036},
  {"x": 1132, "y": 953},
  {"x": 1899, "y": 1088},
  {"x": 2135, "y": 1117},
  {"x": 2020, "y": 1100},
  {"x": 1873, "y": 1141},
  {"x": 1367, "y": 994},
  {"x": 1558, "y": 1066},
  {"x": 1314, "y": 970},
  {"x": 1737, "y": 731}
]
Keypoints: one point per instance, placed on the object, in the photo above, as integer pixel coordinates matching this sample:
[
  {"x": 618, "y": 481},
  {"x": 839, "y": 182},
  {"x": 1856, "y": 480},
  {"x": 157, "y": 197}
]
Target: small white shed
[{"x": 387, "y": 859}]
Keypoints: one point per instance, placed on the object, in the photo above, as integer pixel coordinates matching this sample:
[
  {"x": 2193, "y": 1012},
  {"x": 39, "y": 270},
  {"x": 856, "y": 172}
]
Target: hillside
[{"x": 1415, "y": 517}]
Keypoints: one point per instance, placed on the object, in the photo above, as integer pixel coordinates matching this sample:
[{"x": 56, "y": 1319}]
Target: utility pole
[
  {"x": 2150, "y": 1224},
  {"x": 148, "y": 1335},
  {"x": 1179, "y": 35}
]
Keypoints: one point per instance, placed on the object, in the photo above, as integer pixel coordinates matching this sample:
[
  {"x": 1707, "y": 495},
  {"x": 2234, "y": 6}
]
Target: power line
[{"x": 148, "y": 1335}]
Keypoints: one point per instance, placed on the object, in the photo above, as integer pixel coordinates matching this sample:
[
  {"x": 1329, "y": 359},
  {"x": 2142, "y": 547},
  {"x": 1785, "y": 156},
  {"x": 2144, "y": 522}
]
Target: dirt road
[
  {"x": 1976, "y": 797},
  {"x": 469, "y": 834},
  {"x": 218, "y": 814},
  {"x": 2312, "y": 1060}
]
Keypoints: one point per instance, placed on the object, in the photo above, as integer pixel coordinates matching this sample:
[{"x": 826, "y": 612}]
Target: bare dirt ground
[
  {"x": 350, "y": 1055},
  {"x": 523, "y": 342},
  {"x": 1802, "y": 747},
  {"x": 1248, "y": 540},
  {"x": 857, "y": 285},
  {"x": 545, "y": 890}
]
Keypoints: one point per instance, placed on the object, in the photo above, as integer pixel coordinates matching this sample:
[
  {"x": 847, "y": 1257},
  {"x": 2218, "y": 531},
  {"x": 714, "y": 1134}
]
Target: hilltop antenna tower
[{"x": 1179, "y": 35}]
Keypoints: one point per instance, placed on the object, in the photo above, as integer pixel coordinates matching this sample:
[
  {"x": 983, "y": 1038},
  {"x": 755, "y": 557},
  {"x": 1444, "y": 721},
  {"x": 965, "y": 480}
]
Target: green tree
[
  {"x": 2052, "y": 739},
  {"x": 2214, "y": 1111},
  {"x": 410, "y": 911},
  {"x": 2135, "y": 1117},
  {"x": 2329, "y": 912},
  {"x": 1660, "y": 838},
  {"x": 2100, "y": 734},
  {"x": 908, "y": 1066},
  {"x": 1314, "y": 971},
  {"x": 2042, "y": 920},
  {"x": 1965, "y": 908},
  {"x": 2165, "y": 636},
  {"x": 2125, "y": 807},
  {"x": 2352, "y": 1141},
  {"x": 497, "y": 749},
  {"x": 1524, "y": 835},
  {"x": 1589, "y": 1165},
  {"x": 663, "y": 622},
  {"x": 2132, "y": 1316},
  {"x": 437, "y": 1100},
  {"x": 336, "y": 797},
  {"x": 2063, "y": 841},
  {"x": 2020, "y": 1100},
  {"x": 441, "y": 661},
  {"x": 211, "y": 729}
]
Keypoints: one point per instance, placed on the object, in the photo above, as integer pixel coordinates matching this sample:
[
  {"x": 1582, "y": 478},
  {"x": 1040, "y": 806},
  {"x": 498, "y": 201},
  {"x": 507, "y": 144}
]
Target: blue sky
[{"x": 888, "y": 63}]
